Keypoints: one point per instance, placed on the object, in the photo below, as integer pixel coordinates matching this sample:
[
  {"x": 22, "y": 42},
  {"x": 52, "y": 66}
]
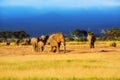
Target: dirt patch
[{"x": 71, "y": 49}]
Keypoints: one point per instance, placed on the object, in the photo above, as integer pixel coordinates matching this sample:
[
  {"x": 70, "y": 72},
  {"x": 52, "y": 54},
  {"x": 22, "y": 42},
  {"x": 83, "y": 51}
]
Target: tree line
[
  {"x": 108, "y": 34},
  {"x": 20, "y": 34},
  {"x": 111, "y": 34},
  {"x": 76, "y": 34}
]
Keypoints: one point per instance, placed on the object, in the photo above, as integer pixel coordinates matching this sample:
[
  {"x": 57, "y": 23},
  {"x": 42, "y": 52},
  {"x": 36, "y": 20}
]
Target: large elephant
[
  {"x": 34, "y": 43},
  {"x": 42, "y": 42},
  {"x": 55, "y": 41},
  {"x": 91, "y": 38}
]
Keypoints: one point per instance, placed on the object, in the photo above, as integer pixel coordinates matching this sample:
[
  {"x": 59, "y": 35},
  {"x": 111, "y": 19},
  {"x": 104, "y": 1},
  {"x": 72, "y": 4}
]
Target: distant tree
[
  {"x": 8, "y": 34},
  {"x": 78, "y": 33},
  {"x": 16, "y": 34},
  {"x": 111, "y": 34},
  {"x": 20, "y": 34}
]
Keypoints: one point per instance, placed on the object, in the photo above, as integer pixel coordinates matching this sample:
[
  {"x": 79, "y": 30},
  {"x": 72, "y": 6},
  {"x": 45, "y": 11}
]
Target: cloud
[{"x": 61, "y": 3}]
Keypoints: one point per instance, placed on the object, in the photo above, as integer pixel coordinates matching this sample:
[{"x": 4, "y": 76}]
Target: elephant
[
  {"x": 55, "y": 41},
  {"x": 34, "y": 43},
  {"x": 7, "y": 43},
  {"x": 42, "y": 43},
  {"x": 26, "y": 41},
  {"x": 40, "y": 46},
  {"x": 91, "y": 38},
  {"x": 43, "y": 38}
]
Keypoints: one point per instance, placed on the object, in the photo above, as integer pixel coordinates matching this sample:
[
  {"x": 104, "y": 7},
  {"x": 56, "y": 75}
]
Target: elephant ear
[{"x": 89, "y": 37}]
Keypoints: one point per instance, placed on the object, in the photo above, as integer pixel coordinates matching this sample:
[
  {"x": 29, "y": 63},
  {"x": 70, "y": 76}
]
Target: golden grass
[
  {"x": 80, "y": 62},
  {"x": 71, "y": 65}
]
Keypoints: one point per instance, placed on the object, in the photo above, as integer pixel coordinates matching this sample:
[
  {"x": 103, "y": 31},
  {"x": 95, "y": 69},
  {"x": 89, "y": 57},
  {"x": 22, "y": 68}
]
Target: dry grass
[{"x": 79, "y": 63}]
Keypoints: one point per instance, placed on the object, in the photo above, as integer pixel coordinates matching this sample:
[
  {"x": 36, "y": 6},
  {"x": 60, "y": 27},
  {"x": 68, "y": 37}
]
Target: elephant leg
[
  {"x": 58, "y": 47},
  {"x": 64, "y": 48},
  {"x": 90, "y": 45},
  {"x": 42, "y": 49},
  {"x": 51, "y": 48},
  {"x": 34, "y": 47},
  {"x": 39, "y": 49},
  {"x": 54, "y": 49}
]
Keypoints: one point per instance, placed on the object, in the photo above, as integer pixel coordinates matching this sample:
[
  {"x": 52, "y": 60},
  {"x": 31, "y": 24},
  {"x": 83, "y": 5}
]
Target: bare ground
[{"x": 71, "y": 49}]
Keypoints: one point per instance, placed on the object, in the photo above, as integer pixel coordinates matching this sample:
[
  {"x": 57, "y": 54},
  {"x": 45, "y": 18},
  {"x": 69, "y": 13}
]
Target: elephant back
[{"x": 59, "y": 37}]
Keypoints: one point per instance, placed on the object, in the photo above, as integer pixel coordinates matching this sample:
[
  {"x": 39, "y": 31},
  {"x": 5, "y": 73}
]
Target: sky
[
  {"x": 41, "y": 16},
  {"x": 39, "y": 4}
]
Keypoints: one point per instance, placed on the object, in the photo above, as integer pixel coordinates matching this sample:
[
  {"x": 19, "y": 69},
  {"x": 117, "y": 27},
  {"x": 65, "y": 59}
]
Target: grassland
[{"x": 78, "y": 63}]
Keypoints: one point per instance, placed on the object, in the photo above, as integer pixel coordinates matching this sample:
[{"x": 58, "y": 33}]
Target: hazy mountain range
[{"x": 37, "y": 21}]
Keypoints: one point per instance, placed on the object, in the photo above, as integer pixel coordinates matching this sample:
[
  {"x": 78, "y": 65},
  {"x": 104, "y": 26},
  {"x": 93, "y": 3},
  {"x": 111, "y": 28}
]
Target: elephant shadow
[
  {"x": 107, "y": 51},
  {"x": 67, "y": 51}
]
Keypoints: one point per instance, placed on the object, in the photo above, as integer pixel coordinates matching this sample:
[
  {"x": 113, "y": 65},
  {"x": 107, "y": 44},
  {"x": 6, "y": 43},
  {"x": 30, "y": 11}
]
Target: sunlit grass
[
  {"x": 61, "y": 67},
  {"x": 76, "y": 43},
  {"x": 54, "y": 78},
  {"x": 102, "y": 43},
  {"x": 79, "y": 63}
]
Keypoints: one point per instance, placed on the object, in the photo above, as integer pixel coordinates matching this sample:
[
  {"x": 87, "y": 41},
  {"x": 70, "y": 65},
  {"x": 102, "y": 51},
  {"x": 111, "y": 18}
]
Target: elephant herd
[{"x": 55, "y": 40}]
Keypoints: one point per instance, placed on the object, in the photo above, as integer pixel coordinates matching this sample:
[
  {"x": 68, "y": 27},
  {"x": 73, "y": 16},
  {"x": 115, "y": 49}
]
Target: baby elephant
[
  {"x": 42, "y": 42},
  {"x": 40, "y": 46},
  {"x": 34, "y": 42}
]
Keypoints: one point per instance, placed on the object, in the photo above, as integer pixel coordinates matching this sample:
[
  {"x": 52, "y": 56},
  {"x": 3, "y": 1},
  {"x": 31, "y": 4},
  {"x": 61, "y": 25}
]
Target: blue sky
[
  {"x": 39, "y": 4},
  {"x": 58, "y": 15}
]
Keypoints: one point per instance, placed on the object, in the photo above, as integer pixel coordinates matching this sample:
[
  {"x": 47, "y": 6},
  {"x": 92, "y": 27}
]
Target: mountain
[{"x": 37, "y": 22}]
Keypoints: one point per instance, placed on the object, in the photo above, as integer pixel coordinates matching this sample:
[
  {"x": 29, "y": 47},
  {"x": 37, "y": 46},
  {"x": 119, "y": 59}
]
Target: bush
[{"x": 112, "y": 44}]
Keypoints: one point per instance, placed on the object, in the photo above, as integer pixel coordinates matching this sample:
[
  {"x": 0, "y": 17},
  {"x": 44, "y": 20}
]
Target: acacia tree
[
  {"x": 78, "y": 33},
  {"x": 111, "y": 34}
]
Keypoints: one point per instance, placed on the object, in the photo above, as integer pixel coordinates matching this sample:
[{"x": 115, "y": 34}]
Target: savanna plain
[{"x": 78, "y": 63}]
